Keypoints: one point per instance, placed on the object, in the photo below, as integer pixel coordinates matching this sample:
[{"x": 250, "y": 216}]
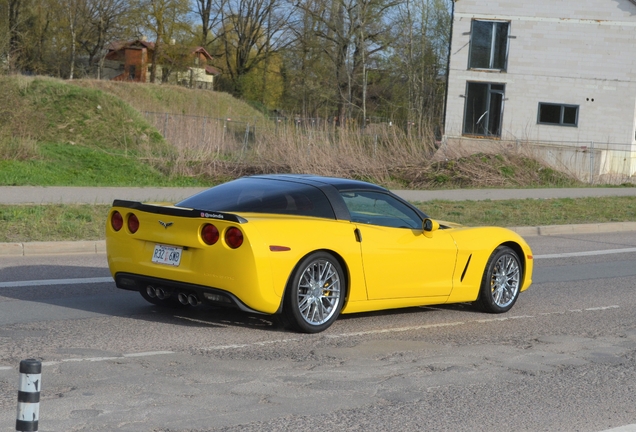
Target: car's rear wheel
[
  {"x": 501, "y": 282},
  {"x": 315, "y": 293}
]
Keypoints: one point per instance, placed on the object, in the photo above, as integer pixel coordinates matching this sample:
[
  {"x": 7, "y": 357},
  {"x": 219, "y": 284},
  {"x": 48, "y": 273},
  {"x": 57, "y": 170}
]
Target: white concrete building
[{"x": 554, "y": 76}]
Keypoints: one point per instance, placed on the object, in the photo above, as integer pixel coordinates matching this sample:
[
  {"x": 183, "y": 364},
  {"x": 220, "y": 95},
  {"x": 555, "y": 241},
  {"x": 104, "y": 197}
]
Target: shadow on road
[{"x": 106, "y": 299}]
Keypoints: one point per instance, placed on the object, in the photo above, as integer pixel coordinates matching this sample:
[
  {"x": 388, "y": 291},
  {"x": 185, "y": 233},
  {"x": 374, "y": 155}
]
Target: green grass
[
  {"x": 52, "y": 222},
  {"x": 67, "y": 165},
  {"x": 533, "y": 212},
  {"x": 25, "y": 223}
]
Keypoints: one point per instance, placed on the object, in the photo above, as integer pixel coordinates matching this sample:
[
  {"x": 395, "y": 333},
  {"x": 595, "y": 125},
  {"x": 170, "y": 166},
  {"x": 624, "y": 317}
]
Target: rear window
[{"x": 259, "y": 195}]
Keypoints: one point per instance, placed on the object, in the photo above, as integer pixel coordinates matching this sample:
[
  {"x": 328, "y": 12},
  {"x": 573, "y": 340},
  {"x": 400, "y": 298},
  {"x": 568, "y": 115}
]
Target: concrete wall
[
  {"x": 579, "y": 52},
  {"x": 589, "y": 162}
]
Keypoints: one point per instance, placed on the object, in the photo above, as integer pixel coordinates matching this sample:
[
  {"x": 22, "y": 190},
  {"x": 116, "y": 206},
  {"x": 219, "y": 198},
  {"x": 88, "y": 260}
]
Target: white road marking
[
  {"x": 247, "y": 345},
  {"x": 586, "y": 253},
  {"x": 395, "y": 330},
  {"x": 98, "y": 359},
  {"x": 55, "y": 282}
]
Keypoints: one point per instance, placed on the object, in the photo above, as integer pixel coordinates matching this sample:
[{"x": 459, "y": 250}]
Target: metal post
[
  {"x": 29, "y": 395},
  {"x": 375, "y": 146},
  {"x": 592, "y": 163},
  {"x": 247, "y": 136}
]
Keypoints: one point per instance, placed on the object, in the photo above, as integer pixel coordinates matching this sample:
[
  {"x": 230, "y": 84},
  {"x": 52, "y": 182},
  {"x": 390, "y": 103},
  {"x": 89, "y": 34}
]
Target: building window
[
  {"x": 488, "y": 45},
  {"x": 484, "y": 109},
  {"x": 558, "y": 114}
]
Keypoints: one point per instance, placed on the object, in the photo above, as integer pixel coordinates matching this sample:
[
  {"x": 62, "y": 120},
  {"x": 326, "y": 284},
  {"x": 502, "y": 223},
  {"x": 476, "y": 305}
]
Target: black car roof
[{"x": 316, "y": 180}]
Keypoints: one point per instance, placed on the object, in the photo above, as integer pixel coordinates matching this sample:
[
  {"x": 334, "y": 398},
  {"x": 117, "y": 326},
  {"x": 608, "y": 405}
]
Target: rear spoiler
[{"x": 178, "y": 211}]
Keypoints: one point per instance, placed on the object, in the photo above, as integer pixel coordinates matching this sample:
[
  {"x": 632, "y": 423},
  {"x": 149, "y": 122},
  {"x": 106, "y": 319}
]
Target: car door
[{"x": 399, "y": 260}]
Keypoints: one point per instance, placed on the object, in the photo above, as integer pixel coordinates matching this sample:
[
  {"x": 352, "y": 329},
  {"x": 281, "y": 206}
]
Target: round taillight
[
  {"x": 234, "y": 237},
  {"x": 133, "y": 223},
  {"x": 209, "y": 234},
  {"x": 116, "y": 221}
]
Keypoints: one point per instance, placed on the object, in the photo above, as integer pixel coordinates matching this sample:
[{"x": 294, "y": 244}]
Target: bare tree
[
  {"x": 351, "y": 31},
  {"x": 15, "y": 11},
  {"x": 250, "y": 33},
  {"x": 422, "y": 31},
  {"x": 209, "y": 12},
  {"x": 74, "y": 11},
  {"x": 164, "y": 19},
  {"x": 102, "y": 23}
]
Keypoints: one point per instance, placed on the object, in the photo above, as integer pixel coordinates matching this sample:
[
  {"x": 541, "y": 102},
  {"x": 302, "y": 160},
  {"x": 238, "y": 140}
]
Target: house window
[
  {"x": 558, "y": 114},
  {"x": 131, "y": 72},
  {"x": 484, "y": 109},
  {"x": 488, "y": 45}
]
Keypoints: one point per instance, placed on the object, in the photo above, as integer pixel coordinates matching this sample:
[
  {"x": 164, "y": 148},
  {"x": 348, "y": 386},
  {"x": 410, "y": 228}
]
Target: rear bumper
[{"x": 209, "y": 295}]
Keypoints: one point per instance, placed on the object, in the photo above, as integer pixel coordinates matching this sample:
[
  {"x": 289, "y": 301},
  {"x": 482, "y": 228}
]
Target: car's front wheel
[
  {"x": 315, "y": 293},
  {"x": 501, "y": 282}
]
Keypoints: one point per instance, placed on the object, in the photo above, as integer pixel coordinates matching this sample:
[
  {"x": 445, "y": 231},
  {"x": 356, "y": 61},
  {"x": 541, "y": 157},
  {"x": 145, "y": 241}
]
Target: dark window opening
[
  {"x": 488, "y": 45},
  {"x": 484, "y": 109},
  {"x": 558, "y": 114},
  {"x": 131, "y": 72}
]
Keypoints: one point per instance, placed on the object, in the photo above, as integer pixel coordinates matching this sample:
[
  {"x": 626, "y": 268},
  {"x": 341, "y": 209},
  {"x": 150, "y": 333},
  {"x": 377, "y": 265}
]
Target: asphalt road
[{"x": 563, "y": 359}]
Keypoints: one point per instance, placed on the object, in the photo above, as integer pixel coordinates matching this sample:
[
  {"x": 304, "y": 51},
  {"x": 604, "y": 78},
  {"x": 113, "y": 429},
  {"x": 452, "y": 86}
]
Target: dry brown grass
[
  {"x": 220, "y": 149},
  {"x": 213, "y": 137},
  {"x": 18, "y": 148}
]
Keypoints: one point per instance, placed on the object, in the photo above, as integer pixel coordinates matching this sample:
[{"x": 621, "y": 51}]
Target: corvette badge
[{"x": 165, "y": 224}]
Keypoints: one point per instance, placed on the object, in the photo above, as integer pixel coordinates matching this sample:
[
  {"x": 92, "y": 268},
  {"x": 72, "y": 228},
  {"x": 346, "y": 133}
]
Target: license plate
[{"x": 170, "y": 255}]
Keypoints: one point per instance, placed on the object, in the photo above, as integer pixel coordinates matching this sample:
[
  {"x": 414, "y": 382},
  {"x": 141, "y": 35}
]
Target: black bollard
[{"x": 29, "y": 395}]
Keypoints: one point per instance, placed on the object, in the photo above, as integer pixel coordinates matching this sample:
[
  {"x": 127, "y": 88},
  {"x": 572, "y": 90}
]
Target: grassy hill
[
  {"x": 105, "y": 133},
  {"x": 93, "y": 133}
]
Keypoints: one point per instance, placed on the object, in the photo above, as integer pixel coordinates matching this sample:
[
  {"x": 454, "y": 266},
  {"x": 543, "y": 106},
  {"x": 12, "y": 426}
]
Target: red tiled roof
[
  {"x": 202, "y": 51},
  {"x": 212, "y": 70}
]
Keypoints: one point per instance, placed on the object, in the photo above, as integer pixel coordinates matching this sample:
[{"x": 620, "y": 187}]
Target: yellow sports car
[{"x": 309, "y": 248}]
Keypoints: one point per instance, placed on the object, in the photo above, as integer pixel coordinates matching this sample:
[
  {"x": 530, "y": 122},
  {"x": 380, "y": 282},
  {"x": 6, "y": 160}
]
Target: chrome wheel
[
  {"x": 315, "y": 293},
  {"x": 318, "y": 292},
  {"x": 501, "y": 281},
  {"x": 504, "y": 281}
]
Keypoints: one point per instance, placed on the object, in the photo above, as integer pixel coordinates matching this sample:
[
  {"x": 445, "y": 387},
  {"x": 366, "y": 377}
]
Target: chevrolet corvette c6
[{"x": 309, "y": 248}]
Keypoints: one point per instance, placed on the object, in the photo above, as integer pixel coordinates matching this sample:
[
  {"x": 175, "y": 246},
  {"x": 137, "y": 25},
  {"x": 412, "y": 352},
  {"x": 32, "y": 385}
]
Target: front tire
[
  {"x": 501, "y": 282},
  {"x": 314, "y": 294}
]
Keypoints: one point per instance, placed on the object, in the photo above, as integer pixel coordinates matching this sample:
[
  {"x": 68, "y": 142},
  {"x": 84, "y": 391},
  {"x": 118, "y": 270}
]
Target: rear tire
[
  {"x": 501, "y": 282},
  {"x": 315, "y": 293}
]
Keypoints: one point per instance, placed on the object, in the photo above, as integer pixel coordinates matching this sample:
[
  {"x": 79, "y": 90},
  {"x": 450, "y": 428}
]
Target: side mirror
[{"x": 429, "y": 226}]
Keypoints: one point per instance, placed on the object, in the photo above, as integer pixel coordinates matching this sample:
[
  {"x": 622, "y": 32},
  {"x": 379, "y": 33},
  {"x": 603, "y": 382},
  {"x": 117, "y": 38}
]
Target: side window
[
  {"x": 375, "y": 208},
  {"x": 489, "y": 45},
  {"x": 558, "y": 114}
]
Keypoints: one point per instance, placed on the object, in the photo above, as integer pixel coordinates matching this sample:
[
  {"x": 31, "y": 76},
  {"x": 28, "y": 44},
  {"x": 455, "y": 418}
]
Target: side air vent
[{"x": 466, "y": 268}]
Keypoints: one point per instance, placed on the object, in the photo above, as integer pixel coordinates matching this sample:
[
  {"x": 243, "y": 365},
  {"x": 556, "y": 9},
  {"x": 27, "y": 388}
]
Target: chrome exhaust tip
[
  {"x": 183, "y": 298},
  {"x": 193, "y": 300},
  {"x": 151, "y": 291},
  {"x": 162, "y": 294}
]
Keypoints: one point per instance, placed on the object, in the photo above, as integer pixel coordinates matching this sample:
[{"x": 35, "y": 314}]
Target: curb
[
  {"x": 99, "y": 246},
  {"x": 52, "y": 248},
  {"x": 593, "y": 228}
]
